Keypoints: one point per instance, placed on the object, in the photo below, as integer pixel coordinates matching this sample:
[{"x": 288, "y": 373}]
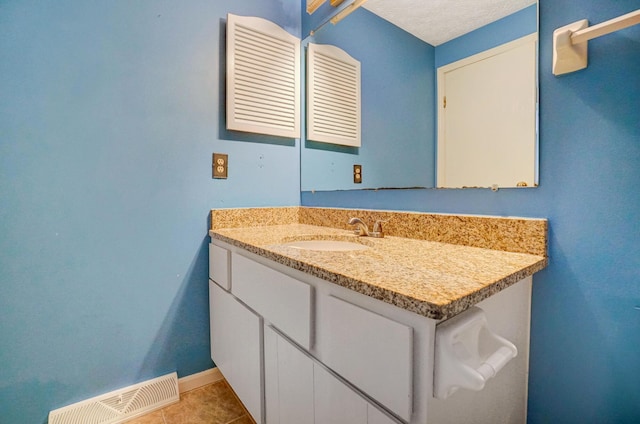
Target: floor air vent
[{"x": 121, "y": 405}]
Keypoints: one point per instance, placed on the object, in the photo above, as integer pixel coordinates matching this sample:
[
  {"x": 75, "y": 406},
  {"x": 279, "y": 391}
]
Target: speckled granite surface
[
  {"x": 434, "y": 279},
  {"x": 523, "y": 235},
  {"x": 253, "y": 217}
]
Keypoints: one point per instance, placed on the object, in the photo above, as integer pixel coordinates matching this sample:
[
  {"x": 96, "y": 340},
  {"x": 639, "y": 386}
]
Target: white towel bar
[{"x": 570, "y": 47}]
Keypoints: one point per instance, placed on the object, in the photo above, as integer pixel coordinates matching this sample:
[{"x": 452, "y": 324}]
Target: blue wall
[
  {"x": 110, "y": 113},
  {"x": 585, "y": 361},
  {"x": 397, "y": 74},
  {"x": 509, "y": 28}
]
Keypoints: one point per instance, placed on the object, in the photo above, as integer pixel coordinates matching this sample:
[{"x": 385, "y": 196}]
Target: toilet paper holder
[{"x": 468, "y": 353}]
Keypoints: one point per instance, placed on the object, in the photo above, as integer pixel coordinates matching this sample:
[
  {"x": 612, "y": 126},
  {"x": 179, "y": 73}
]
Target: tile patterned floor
[{"x": 211, "y": 404}]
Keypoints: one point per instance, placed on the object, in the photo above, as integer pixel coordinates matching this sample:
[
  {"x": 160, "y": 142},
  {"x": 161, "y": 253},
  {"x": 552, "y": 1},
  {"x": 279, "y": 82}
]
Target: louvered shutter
[
  {"x": 263, "y": 77},
  {"x": 313, "y": 5},
  {"x": 333, "y": 96}
]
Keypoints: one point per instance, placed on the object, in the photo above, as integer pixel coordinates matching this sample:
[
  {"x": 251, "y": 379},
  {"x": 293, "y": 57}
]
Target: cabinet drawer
[
  {"x": 280, "y": 299},
  {"x": 219, "y": 265},
  {"x": 371, "y": 351}
]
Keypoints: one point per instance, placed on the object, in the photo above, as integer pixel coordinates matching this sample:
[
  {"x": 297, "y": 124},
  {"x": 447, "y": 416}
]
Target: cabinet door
[
  {"x": 359, "y": 341},
  {"x": 288, "y": 381},
  {"x": 236, "y": 348},
  {"x": 334, "y": 402},
  {"x": 375, "y": 416}
]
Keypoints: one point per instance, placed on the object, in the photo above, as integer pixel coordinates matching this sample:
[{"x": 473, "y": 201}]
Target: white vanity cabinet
[
  {"x": 357, "y": 341},
  {"x": 336, "y": 403},
  {"x": 285, "y": 301},
  {"x": 299, "y": 349},
  {"x": 235, "y": 347},
  {"x": 300, "y": 390}
]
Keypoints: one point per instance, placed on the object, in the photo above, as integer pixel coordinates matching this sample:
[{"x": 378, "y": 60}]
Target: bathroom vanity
[{"x": 344, "y": 329}]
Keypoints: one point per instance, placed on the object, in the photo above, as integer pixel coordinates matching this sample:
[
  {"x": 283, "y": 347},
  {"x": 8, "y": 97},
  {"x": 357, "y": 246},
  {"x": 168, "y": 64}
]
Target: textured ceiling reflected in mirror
[{"x": 438, "y": 21}]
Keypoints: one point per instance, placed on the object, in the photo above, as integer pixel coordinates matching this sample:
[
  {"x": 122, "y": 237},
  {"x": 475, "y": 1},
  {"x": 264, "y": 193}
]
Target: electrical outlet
[
  {"x": 220, "y": 165},
  {"x": 357, "y": 174}
]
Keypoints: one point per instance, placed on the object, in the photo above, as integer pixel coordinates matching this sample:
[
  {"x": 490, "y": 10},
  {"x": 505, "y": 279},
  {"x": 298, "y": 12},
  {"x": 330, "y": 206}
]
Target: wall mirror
[{"x": 402, "y": 45}]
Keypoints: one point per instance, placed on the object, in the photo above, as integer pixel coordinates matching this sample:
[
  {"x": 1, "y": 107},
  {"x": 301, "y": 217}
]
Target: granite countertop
[{"x": 434, "y": 279}]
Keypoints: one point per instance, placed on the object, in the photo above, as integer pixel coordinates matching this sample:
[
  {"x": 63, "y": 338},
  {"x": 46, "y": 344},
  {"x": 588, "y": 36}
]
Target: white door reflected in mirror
[{"x": 487, "y": 118}]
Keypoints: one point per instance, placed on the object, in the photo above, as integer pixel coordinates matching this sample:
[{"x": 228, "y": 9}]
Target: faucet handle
[
  {"x": 377, "y": 228},
  {"x": 362, "y": 229}
]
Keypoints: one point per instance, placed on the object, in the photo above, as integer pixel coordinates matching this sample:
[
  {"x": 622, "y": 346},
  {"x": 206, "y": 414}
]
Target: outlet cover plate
[
  {"x": 220, "y": 165},
  {"x": 357, "y": 174}
]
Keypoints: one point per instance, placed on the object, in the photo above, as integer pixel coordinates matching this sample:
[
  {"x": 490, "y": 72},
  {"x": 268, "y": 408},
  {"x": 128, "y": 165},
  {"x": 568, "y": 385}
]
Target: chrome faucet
[
  {"x": 377, "y": 229},
  {"x": 362, "y": 229}
]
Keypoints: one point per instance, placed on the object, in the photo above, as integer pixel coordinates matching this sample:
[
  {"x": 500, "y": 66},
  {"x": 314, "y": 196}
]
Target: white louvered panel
[
  {"x": 333, "y": 96},
  {"x": 263, "y": 78},
  {"x": 313, "y": 5}
]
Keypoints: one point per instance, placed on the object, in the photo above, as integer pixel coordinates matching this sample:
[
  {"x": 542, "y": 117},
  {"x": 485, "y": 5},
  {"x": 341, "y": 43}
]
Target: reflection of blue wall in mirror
[
  {"x": 398, "y": 100},
  {"x": 397, "y": 110},
  {"x": 512, "y": 27}
]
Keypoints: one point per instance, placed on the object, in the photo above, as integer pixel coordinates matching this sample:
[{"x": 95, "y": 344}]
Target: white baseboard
[{"x": 200, "y": 379}]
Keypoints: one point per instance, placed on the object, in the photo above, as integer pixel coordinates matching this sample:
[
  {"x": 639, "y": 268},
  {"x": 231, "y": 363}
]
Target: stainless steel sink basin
[{"x": 325, "y": 245}]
